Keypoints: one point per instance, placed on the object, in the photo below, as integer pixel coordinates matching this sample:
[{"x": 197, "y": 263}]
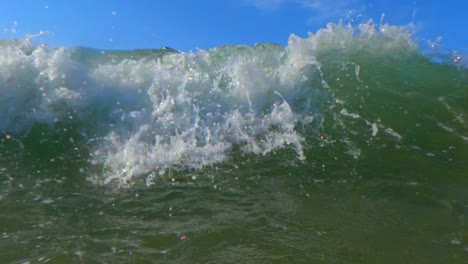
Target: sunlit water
[{"x": 350, "y": 146}]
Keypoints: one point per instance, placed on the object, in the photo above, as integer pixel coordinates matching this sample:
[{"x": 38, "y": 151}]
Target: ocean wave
[{"x": 149, "y": 111}]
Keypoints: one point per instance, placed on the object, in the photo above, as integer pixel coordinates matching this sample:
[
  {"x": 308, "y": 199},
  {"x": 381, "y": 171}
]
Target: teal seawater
[{"x": 350, "y": 146}]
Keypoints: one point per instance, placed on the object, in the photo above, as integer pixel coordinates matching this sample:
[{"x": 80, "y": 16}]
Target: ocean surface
[{"x": 349, "y": 146}]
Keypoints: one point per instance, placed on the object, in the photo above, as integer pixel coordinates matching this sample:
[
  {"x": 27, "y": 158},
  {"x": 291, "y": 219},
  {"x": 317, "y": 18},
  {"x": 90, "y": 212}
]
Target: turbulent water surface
[{"x": 349, "y": 146}]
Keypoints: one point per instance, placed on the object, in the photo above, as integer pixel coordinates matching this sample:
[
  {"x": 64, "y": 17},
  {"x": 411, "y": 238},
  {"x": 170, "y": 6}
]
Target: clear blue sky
[{"x": 188, "y": 25}]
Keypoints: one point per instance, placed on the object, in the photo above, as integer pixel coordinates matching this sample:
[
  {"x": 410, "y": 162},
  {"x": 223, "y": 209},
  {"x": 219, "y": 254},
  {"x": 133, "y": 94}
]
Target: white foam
[
  {"x": 36, "y": 86},
  {"x": 185, "y": 110},
  {"x": 375, "y": 129},
  {"x": 194, "y": 119}
]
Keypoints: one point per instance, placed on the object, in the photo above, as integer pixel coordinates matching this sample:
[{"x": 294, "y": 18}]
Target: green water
[
  {"x": 393, "y": 204},
  {"x": 265, "y": 211},
  {"x": 339, "y": 148}
]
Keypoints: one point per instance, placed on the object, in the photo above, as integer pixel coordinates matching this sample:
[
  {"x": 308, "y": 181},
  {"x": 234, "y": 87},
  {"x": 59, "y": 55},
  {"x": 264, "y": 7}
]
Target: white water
[{"x": 183, "y": 111}]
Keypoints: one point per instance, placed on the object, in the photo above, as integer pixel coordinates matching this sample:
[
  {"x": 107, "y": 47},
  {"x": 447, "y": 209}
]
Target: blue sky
[{"x": 188, "y": 25}]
